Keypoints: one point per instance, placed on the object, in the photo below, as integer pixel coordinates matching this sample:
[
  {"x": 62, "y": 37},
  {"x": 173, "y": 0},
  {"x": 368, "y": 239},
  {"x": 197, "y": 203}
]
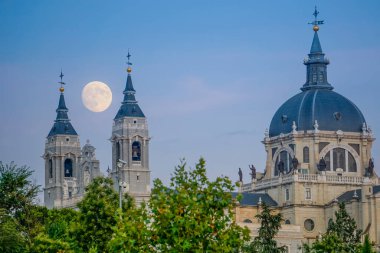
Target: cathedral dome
[
  {"x": 317, "y": 106},
  {"x": 331, "y": 110}
]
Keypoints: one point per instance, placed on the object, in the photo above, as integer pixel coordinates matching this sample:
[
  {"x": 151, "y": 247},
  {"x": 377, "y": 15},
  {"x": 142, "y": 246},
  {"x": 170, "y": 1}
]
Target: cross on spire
[
  {"x": 316, "y": 22},
  {"x": 61, "y": 82},
  {"x": 129, "y": 56}
]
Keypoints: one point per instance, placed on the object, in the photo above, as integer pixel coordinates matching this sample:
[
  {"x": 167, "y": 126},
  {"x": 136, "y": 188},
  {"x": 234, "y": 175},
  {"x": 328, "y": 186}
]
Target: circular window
[{"x": 309, "y": 224}]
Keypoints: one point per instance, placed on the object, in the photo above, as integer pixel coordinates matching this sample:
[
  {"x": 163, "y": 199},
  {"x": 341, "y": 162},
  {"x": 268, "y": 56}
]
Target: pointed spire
[
  {"x": 129, "y": 107},
  {"x": 62, "y": 123},
  {"x": 129, "y": 91},
  {"x": 316, "y": 45},
  {"x": 316, "y": 63}
]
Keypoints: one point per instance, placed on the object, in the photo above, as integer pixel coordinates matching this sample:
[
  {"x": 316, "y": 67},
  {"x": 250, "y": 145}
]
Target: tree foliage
[
  {"x": 11, "y": 240},
  {"x": 98, "y": 215},
  {"x": 17, "y": 192},
  {"x": 270, "y": 224},
  {"x": 21, "y": 218},
  {"x": 367, "y": 245},
  {"x": 342, "y": 235},
  {"x": 132, "y": 233},
  {"x": 345, "y": 227},
  {"x": 55, "y": 236},
  {"x": 194, "y": 214}
]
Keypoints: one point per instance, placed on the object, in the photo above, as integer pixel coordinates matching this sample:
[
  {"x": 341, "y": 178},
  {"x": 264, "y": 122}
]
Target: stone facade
[
  {"x": 130, "y": 157},
  {"x": 68, "y": 169},
  {"x": 319, "y": 153}
]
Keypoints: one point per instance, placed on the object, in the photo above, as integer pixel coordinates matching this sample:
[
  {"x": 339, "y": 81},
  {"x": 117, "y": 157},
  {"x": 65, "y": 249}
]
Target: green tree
[
  {"x": 11, "y": 240},
  {"x": 55, "y": 236},
  {"x": 17, "y": 192},
  {"x": 98, "y": 215},
  {"x": 345, "y": 227},
  {"x": 18, "y": 197},
  {"x": 342, "y": 235},
  {"x": 132, "y": 233},
  {"x": 328, "y": 243},
  {"x": 194, "y": 214},
  {"x": 367, "y": 246},
  {"x": 270, "y": 225}
]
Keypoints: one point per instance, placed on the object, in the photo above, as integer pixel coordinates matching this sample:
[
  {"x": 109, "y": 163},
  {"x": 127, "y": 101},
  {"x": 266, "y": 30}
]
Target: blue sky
[{"x": 209, "y": 75}]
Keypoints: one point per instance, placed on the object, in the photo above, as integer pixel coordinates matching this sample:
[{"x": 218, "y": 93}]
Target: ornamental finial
[
  {"x": 61, "y": 89},
  {"x": 129, "y": 63},
  {"x": 316, "y": 22}
]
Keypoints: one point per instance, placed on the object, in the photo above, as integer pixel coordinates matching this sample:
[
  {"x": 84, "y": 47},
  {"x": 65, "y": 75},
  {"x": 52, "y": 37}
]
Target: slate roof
[
  {"x": 315, "y": 45},
  {"x": 62, "y": 123},
  {"x": 349, "y": 195},
  {"x": 252, "y": 199},
  {"x": 317, "y": 101},
  {"x": 129, "y": 107},
  {"x": 332, "y": 111}
]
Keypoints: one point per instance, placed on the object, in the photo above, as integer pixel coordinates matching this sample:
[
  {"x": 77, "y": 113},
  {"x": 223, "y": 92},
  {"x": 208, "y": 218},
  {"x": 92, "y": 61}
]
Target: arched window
[
  {"x": 118, "y": 154},
  {"x": 283, "y": 163},
  {"x": 306, "y": 158},
  {"x": 50, "y": 168},
  {"x": 287, "y": 222},
  {"x": 136, "y": 151},
  {"x": 68, "y": 168},
  {"x": 247, "y": 221},
  {"x": 340, "y": 158}
]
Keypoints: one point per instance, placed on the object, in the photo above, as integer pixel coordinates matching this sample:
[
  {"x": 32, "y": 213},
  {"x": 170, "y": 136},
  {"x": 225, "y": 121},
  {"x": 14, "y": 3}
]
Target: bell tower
[
  {"x": 130, "y": 146},
  {"x": 62, "y": 157}
]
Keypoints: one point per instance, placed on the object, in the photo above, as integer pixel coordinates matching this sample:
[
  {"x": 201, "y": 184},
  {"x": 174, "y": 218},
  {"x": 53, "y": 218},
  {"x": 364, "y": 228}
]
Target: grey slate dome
[
  {"x": 317, "y": 102},
  {"x": 331, "y": 110}
]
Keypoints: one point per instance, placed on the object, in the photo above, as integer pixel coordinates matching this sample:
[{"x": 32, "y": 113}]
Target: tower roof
[
  {"x": 129, "y": 107},
  {"x": 317, "y": 106},
  {"x": 62, "y": 123},
  {"x": 316, "y": 45}
]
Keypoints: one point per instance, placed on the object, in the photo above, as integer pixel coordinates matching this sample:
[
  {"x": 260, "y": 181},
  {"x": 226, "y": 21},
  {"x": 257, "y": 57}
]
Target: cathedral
[
  {"x": 319, "y": 153},
  {"x": 70, "y": 168},
  {"x": 318, "y": 146}
]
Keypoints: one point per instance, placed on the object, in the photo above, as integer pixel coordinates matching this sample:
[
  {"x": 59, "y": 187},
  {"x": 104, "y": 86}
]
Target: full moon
[{"x": 96, "y": 96}]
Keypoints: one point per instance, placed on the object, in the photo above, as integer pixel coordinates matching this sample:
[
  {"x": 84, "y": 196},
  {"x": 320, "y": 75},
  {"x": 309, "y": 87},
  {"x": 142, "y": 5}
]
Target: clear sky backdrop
[{"x": 209, "y": 75}]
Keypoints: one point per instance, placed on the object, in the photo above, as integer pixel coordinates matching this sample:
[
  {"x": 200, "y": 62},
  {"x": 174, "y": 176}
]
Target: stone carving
[
  {"x": 295, "y": 163},
  {"x": 364, "y": 129},
  {"x": 266, "y": 133},
  {"x": 316, "y": 126},
  {"x": 370, "y": 169},
  {"x": 253, "y": 171},
  {"x": 294, "y": 128},
  {"x": 322, "y": 164},
  {"x": 281, "y": 167},
  {"x": 86, "y": 177},
  {"x": 240, "y": 173},
  {"x": 65, "y": 189}
]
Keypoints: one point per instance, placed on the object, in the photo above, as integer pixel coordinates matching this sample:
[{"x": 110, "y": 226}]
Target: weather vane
[
  {"x": 129, "y": 56},
  {"x": 316, "y": 22},
  {"x": 129, "y": 63},
  {"x": 61, "y": 82}
]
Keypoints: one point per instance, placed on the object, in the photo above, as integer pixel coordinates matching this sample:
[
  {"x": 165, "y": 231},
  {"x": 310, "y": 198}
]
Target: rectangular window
[
  {"x": 307, "y": 193},
  {"x": 287, "y": 195},
  {"x": 70, "y": 195}
]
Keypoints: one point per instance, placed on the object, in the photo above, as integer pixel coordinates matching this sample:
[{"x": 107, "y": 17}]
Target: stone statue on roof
[
  {"x": 240, "y": 173},
  {"x": 253, "y": 171}
]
